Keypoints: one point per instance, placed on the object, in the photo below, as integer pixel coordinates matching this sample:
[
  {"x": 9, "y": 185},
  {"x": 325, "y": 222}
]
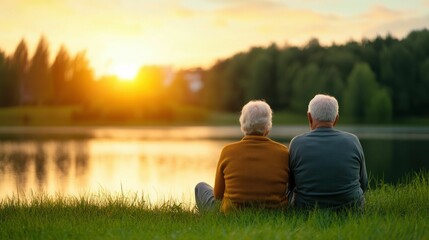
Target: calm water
[{"x": 163, "y": 163}]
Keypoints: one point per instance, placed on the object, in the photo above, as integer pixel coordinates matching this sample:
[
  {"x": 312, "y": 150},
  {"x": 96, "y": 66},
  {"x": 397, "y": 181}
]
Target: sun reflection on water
[{"x": 158, "y": 170}]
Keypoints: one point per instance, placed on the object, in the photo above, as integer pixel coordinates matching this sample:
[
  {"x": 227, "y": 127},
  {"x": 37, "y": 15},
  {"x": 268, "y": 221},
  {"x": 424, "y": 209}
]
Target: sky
[{"x": 119, "y": 36}]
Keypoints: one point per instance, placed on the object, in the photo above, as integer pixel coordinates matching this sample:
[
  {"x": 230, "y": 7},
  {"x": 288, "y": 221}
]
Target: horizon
[{"x": 120, "y": 37}]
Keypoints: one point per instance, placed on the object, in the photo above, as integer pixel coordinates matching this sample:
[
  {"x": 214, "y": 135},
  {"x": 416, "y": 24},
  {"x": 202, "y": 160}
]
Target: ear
[
  {"x": 336, "y": 120},
  {"x": 310, "y": 119}
]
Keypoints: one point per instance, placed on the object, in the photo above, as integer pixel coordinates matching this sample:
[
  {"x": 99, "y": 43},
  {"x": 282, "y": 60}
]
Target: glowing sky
[{"x": 121, "y": 35}]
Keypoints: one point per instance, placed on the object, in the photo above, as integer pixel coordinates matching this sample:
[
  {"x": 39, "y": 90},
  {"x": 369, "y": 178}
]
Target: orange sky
[{"x": 121, "y": 35}]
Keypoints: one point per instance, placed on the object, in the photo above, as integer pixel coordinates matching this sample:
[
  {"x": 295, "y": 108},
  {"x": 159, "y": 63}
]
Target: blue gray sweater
[{"x": 327, "y": 169}]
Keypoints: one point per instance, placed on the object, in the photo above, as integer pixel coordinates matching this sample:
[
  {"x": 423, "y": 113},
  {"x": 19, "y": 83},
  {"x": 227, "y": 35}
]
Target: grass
[
  {"x": 392, "y": 212},
  {"x": 36, "y": 116}
]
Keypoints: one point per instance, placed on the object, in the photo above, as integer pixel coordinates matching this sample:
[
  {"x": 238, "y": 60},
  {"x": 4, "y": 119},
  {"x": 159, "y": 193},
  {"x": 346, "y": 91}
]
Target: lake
[{"x": 164, "y": 163}]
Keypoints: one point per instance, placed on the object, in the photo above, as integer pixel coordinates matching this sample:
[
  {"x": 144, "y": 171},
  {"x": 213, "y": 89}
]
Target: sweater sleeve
[
  {"x": 219, "y": 185},
  {"x": 363, "y": 174}
]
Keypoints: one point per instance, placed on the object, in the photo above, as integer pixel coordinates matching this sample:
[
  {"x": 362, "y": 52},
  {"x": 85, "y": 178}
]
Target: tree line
[
  {"x": 375, "y": 80},
  {"x": 35, "y": 81}
]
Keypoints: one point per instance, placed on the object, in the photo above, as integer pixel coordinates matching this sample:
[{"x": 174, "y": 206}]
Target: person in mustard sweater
[{"x": 251, "y": 172}]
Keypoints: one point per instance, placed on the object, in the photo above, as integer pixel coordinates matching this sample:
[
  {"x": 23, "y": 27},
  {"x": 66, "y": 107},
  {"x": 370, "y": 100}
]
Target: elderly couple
[{"x": 323, "y": 168}]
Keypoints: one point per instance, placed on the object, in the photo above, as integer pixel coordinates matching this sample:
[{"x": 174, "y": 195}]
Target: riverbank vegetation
[
  {"x": 71, "y": 116},
  {"x": 392, "y": 212}
]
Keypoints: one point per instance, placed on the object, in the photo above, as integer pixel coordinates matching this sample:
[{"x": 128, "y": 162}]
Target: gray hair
[
  {"x": 256, "y": 118},
  {"x": 323, "y": 108}
]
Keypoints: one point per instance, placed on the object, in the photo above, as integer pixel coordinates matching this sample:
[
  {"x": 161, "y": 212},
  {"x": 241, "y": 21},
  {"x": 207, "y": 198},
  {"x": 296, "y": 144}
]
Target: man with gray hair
[
  {"x": 251, "y": 172},
  {"x": 327, "y": 165}
]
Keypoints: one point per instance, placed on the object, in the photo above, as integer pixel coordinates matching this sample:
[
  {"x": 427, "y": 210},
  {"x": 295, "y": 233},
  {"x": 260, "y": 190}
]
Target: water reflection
[
  {"x": 157, "y": 170},
  {"x": 41, "y": 166},
  {"x": 392, "y": 160},
  {"x": 163, "y": 163}
]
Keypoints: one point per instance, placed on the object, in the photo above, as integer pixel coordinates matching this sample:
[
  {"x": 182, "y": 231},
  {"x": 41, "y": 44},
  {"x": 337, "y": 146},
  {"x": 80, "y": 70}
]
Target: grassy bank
[
  {"x": 76, "y": 116},
  {"x": 392, "y": 212}
]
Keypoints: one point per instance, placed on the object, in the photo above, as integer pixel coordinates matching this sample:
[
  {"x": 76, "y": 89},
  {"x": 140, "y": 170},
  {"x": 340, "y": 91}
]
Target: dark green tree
[
  {"x": 39, "y": 81},
  {"x": 305, "y": 86},
  {"x": 61, "y": 74},
  {"x": 14, "y": 70},
  {"x": 398, "y": 73},
  {"x": 3, "y": 80},
  {"x": 287, "y": 69},
  {"x": 417, "y": 43},
  {"x": 262, "y": 80},
  {"x": 380, "y": 109},
  {"x": 7, "y": 82},
  {"x": 81, "y": 80},
  {"x": 212, "y": 88},
  {"x": 332, "y": 83},
  {"x": 423, "y": 88},
  {"x": 341, "y": 58},
  {"x": 19, "y": 67},
  {"x": 285, "y": 84},
  {"x": 359, "y": 92}
]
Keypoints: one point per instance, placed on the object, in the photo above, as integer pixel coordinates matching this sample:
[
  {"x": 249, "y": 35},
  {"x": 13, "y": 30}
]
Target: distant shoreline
[
  {"x": 285, "y": 132},
  {"x": 62, "y": 116}
]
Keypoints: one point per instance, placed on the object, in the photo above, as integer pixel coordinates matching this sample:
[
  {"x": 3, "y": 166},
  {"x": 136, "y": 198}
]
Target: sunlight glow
[
  {"x": 125, "y": 72},
  {"x": 196, "y": 33}
]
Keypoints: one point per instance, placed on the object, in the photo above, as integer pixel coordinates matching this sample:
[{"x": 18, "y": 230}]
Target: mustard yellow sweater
[{"x": 254, "y": 170}]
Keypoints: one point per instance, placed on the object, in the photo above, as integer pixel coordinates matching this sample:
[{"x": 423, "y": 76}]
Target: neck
[
  {"x": 258, "y": 134},
  {"x": 323, "y": 125}
]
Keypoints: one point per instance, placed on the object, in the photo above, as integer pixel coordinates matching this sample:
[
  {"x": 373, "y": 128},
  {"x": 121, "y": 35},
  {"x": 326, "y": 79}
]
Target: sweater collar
[
  {"x": 323, "y": 129},
  {"x": 255, "y": 137}
]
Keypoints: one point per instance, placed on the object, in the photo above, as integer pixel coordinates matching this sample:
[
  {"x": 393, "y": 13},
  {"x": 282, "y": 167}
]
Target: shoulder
[
  {"x": 348, "y": 135},
  {"x": 298, "y": 138},
  {"x": 231, "y": 146},
  {"x": 351, "y": 139},
  {"x": 278, "y": 145}
]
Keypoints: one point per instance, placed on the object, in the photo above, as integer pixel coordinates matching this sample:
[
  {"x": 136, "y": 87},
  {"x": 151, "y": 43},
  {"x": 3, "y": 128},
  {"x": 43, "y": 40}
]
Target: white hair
[
  {"x": 256, "y": 118},
  {"x": 323, "y": 108}
]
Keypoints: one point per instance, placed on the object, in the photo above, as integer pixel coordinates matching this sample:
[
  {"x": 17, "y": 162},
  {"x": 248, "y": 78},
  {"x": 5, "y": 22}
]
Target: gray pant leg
[{"x": 204, "y": 196}]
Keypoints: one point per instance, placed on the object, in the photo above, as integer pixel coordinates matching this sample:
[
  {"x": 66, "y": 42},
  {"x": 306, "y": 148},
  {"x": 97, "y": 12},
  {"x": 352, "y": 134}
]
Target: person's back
[
  {"x": 327, "y": 166},
  {"x": 253, "y": 171}
]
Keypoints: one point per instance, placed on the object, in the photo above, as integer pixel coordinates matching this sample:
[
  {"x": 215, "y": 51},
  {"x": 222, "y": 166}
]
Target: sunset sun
[{"x": 125, "y": 72}]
